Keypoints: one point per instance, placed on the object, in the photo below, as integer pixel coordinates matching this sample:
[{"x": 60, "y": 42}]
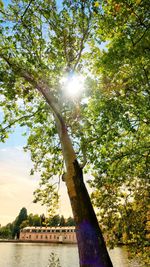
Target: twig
[
  {"x": 28, "y": 6},
  {"x": 85, "y": 35},
  {"x": 134, "y": 44},
  {"x": 19, "y": 119}
]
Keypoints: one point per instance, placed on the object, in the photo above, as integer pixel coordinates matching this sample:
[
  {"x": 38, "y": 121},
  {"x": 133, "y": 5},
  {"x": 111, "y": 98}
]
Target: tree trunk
[{"x": 91, "y": 245}]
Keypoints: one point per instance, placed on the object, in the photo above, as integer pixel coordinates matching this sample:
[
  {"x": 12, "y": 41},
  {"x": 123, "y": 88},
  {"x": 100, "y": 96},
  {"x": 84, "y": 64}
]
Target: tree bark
[{"x": 91, "y": 245}]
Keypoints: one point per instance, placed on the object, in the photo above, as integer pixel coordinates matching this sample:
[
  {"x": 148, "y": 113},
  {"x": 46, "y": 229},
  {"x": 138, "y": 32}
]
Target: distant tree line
[{"x": 12, "y": 230}]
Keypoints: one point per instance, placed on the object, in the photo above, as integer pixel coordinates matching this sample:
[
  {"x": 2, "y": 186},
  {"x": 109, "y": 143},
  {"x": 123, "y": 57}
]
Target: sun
[{"x": 73, "y": 85}]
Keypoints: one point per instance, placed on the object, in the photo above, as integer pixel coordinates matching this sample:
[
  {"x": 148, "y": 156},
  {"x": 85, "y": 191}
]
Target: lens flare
[{"x": 73, "y": 85}]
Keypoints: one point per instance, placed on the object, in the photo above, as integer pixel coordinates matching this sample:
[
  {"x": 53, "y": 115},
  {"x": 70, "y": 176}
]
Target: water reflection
[
  {"x": 119, "y": 258},
  {"x": 37, "y": 255}
]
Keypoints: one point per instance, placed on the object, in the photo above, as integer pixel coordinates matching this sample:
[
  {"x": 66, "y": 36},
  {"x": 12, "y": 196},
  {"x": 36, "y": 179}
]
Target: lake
[{"x": 37, "y": 255}]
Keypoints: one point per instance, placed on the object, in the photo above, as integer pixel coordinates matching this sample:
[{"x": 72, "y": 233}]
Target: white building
[{"x": 64, "y": 234}]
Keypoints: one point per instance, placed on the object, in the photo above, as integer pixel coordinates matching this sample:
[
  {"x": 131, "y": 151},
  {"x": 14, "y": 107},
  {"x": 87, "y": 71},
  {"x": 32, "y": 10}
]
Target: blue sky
[
  {"x": 6, "y": 2},
  {"x": 15, "y": 139}
]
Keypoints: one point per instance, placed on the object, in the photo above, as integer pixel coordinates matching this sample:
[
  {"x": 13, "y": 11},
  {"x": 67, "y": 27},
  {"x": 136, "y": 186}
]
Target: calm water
[{"x": 37, "y": 255}]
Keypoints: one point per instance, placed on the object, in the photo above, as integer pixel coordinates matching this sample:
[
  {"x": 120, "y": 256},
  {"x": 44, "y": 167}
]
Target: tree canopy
[
  {"x": 44, "y": 44},
  {"x": 108, "y": 121},
  {"x": 120, "y": 129}
]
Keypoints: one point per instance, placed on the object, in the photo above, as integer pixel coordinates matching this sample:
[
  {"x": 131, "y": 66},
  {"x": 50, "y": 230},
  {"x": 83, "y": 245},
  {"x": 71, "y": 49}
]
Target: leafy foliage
[
  {"x": 58, "y": 220},
  {"x": 18, "y": 221},
  {"x": 6, "y": 231},
  {"x": 118, "y": 118},
  {"x": 109, "y": 123},
  {"x": 53, "y": 260},
  {"x": 44, "y": 43}
]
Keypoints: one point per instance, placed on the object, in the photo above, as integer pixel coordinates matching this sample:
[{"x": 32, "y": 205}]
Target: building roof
[{"x": 48, "y": 227}]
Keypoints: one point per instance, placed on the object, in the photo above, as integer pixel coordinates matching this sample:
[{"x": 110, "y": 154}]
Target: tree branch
[
  {"x": 19, "y": 119},
  {"x": 27, "y": 7},
  {"x": 134, "y": 44},
  {"x": 147, "y": 78},
  {"x": 84, "y": 37},
  {"x": 84, "y": 149},
  {"x": 41, "y": 86},
  {"x": 138, "y": 17}
]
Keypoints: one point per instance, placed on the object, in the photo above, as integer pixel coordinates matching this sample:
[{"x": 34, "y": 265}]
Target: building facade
[{"x": 64, "y": 234}]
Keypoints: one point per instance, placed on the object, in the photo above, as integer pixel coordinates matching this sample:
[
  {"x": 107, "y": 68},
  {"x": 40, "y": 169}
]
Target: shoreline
[{"x": 32, "y": 241}]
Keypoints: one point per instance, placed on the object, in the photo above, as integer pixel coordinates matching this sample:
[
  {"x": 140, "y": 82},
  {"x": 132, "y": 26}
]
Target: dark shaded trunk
[{"x": 91, "y": 245}]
